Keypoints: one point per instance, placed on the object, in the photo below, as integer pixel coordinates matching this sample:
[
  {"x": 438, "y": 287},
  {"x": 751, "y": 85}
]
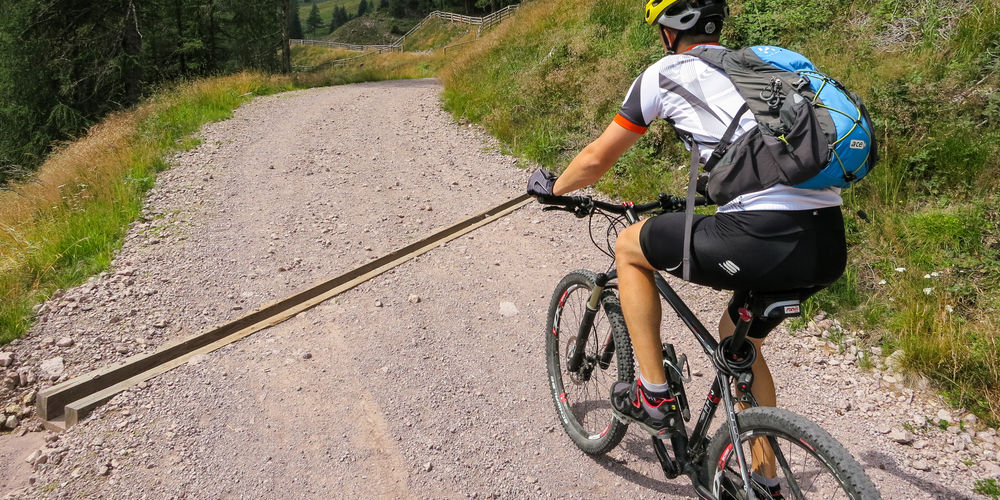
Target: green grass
[
  {"x": 437, "y": 33},
  {"x": 373, "y": 67},
  {"x": 988, "y": 487},
  {"x": 550, "y": 81},
  {"x": 373, "y": 29},
  {"x": 312, "y": 55}
]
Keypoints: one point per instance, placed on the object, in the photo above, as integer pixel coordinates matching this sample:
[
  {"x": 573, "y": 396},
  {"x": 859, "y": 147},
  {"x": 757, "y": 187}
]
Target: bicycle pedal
[{"x": 627, "y": 420}]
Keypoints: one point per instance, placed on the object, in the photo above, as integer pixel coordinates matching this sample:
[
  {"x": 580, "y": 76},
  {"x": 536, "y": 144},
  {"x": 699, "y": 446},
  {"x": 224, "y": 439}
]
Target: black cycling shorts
[{"x": 764, "y": 251}]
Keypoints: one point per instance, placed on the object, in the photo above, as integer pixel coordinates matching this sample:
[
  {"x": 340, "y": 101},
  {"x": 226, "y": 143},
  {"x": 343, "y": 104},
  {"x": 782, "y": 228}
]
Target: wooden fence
[
  {"x": 348, "y": 46},
  {"x": 483, "y": 23}
]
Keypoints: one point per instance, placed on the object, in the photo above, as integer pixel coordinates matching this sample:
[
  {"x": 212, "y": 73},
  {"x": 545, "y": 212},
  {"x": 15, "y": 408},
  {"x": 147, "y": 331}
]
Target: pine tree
[
  {"x": 294, "y": 21},
  {"x": 340, "y": 17},
  {"x": 362, "y": 8},
  {"x": 397, "y": 8},
  {"x": 383, "y": 4},
  {"x": 314, "y": 20}
]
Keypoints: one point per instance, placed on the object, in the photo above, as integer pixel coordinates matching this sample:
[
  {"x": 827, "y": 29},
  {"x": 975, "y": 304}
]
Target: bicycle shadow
[
  {"x": 640, "y": 450},
  {"x": 877, "y": 460}
]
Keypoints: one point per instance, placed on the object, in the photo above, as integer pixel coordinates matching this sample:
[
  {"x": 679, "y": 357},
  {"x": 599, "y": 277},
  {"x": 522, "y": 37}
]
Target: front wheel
[
  {"x": 582, "y": 395},
  {"x": 809, "y": 462}
]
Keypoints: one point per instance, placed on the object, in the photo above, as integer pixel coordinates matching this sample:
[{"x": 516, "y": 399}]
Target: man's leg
[
  {"x": 640, "y": 304},
  {"x": 763, "y": 391}
]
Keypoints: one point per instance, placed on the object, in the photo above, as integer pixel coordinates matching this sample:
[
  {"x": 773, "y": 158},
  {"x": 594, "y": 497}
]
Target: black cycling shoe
[
  {"x": 773, "y": 491},
  {"x": 657, "y": 414},
  {"x": 759, "y": 489}
]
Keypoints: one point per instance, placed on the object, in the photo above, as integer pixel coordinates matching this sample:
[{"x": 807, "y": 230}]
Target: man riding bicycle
[{"x": 779, "y": 238}]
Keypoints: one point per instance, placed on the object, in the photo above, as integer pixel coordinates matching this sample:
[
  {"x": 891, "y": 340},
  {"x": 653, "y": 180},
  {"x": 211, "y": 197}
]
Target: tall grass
[{"x": 551, "y": 80}]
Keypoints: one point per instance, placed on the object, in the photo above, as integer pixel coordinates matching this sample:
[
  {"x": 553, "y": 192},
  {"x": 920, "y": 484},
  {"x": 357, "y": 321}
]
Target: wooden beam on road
[{"x": 67, "y": 403}]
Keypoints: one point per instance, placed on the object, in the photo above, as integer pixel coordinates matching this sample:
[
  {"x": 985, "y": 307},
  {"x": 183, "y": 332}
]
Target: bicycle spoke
[
  {"x": 786, "y": 469},
  {"x": 582, "y": 396}
]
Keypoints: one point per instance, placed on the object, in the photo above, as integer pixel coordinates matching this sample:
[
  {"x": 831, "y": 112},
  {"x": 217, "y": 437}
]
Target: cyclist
[{"x": 778, "y": 239}]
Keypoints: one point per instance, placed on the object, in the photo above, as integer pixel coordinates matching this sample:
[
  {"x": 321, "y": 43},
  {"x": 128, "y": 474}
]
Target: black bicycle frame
[{"x": 688, "y": 450}]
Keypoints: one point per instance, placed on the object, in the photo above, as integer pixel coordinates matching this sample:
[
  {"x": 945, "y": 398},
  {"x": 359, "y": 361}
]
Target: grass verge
[{"x": 66, "y": 223}]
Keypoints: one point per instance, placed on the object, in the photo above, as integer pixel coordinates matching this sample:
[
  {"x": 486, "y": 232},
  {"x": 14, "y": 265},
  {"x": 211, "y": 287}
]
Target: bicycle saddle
[{"x": 774, "y": 305}]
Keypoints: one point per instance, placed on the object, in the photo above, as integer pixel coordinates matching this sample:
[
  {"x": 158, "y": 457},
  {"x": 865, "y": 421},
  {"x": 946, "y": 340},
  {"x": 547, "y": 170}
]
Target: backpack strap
[
  {"x": 727, "y": 138},
  {"x": 689, "y": 210}
]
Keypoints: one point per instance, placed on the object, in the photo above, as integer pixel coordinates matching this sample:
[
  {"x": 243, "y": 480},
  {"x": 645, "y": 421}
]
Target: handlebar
[{"x": 582, "y": 206}]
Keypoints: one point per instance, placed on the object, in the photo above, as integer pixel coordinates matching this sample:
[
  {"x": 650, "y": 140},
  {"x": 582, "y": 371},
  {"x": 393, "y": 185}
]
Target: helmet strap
[{"x": 671, "y": 47}]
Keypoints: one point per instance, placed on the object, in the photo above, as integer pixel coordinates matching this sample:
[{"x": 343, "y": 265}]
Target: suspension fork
[{"x": 575, "y": 360}]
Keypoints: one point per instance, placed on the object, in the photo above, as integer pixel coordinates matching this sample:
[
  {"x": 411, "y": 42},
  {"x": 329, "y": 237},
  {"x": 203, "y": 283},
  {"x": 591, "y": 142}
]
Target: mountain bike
[{"x": 588, "y": 348}]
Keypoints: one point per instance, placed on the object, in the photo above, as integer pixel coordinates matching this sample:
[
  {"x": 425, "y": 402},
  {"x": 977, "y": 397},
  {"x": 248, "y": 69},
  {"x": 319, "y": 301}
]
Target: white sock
[
  {"x": 655, "y": 389},
  {"x": 770, "y": 482}
]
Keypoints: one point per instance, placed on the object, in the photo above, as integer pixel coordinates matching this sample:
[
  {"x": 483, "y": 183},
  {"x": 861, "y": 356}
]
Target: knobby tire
[
  {"x": 584, "y": 406},
  {"x": 819, "y": 465}
]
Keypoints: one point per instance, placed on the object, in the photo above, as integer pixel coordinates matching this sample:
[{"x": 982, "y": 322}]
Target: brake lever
[{"x": 551, "y": 208}]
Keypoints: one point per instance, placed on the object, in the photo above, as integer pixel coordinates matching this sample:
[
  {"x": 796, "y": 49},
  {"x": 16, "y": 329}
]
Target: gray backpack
[{"x": 811, "y": 132}]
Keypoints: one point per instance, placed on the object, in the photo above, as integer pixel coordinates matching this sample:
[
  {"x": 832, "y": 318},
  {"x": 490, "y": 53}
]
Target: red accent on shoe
[{"x": 658, "y": 404}]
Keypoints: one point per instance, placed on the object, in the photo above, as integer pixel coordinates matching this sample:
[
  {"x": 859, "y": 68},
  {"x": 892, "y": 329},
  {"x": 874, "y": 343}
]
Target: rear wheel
[
  {"x": 811, "y": 464},
  {"x": 582, "y": 396}
]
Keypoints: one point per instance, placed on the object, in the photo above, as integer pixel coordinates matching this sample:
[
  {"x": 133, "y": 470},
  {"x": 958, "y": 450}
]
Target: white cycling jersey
[{"x": 698, "y": 99}]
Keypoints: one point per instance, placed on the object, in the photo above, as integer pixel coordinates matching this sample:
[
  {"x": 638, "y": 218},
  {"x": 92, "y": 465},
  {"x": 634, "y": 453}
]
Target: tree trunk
[
  {"x": 286, "y": 48},
  {"x": 211, "y": 35},
  {"x": 180, "y": 36},
  {"x": 132, "y": 44}
]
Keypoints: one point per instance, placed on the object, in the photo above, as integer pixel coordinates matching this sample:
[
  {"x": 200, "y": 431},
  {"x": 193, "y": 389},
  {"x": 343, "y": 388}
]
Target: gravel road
[{"x": 425, "y": 382}]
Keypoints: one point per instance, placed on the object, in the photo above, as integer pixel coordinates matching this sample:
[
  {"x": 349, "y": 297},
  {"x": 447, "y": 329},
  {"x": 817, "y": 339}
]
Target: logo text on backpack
[{"x": 858, "y": 144}]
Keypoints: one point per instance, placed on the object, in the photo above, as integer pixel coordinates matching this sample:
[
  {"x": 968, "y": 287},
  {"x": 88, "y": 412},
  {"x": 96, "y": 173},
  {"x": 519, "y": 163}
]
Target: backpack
[{"x": 811, "y": 132}]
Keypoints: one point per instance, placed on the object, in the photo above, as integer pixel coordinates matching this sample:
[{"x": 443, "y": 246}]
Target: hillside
[
  {"x": 924, "y": 276},
  {"x": 373, "y": 29},
  {"x": 438, "y": 33}
]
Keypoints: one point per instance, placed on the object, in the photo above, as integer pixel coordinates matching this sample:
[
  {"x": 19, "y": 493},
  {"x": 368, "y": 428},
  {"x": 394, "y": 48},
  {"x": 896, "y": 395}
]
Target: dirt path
[{"x": 417, "y": 383}]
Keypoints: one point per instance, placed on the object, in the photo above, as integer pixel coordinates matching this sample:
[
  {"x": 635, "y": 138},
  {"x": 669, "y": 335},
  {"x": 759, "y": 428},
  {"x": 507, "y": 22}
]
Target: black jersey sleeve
[{"x": 640, "y": 107}]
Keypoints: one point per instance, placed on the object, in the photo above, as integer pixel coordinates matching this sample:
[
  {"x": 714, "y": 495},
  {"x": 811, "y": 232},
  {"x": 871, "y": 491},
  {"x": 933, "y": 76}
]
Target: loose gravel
[{"x": 425, "y": 382}]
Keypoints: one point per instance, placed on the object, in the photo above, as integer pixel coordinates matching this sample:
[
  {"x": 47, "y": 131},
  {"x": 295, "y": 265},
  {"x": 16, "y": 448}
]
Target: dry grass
[
  {"x": 312, "y": 55},
  {"x": 77, "y": 171}
]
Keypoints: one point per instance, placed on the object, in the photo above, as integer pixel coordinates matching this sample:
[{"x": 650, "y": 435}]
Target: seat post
[{"x": 742, "y": 329}]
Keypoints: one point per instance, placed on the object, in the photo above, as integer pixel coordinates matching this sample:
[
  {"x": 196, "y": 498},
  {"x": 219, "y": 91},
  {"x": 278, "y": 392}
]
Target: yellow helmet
[{"x": 683, "y": 15}]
